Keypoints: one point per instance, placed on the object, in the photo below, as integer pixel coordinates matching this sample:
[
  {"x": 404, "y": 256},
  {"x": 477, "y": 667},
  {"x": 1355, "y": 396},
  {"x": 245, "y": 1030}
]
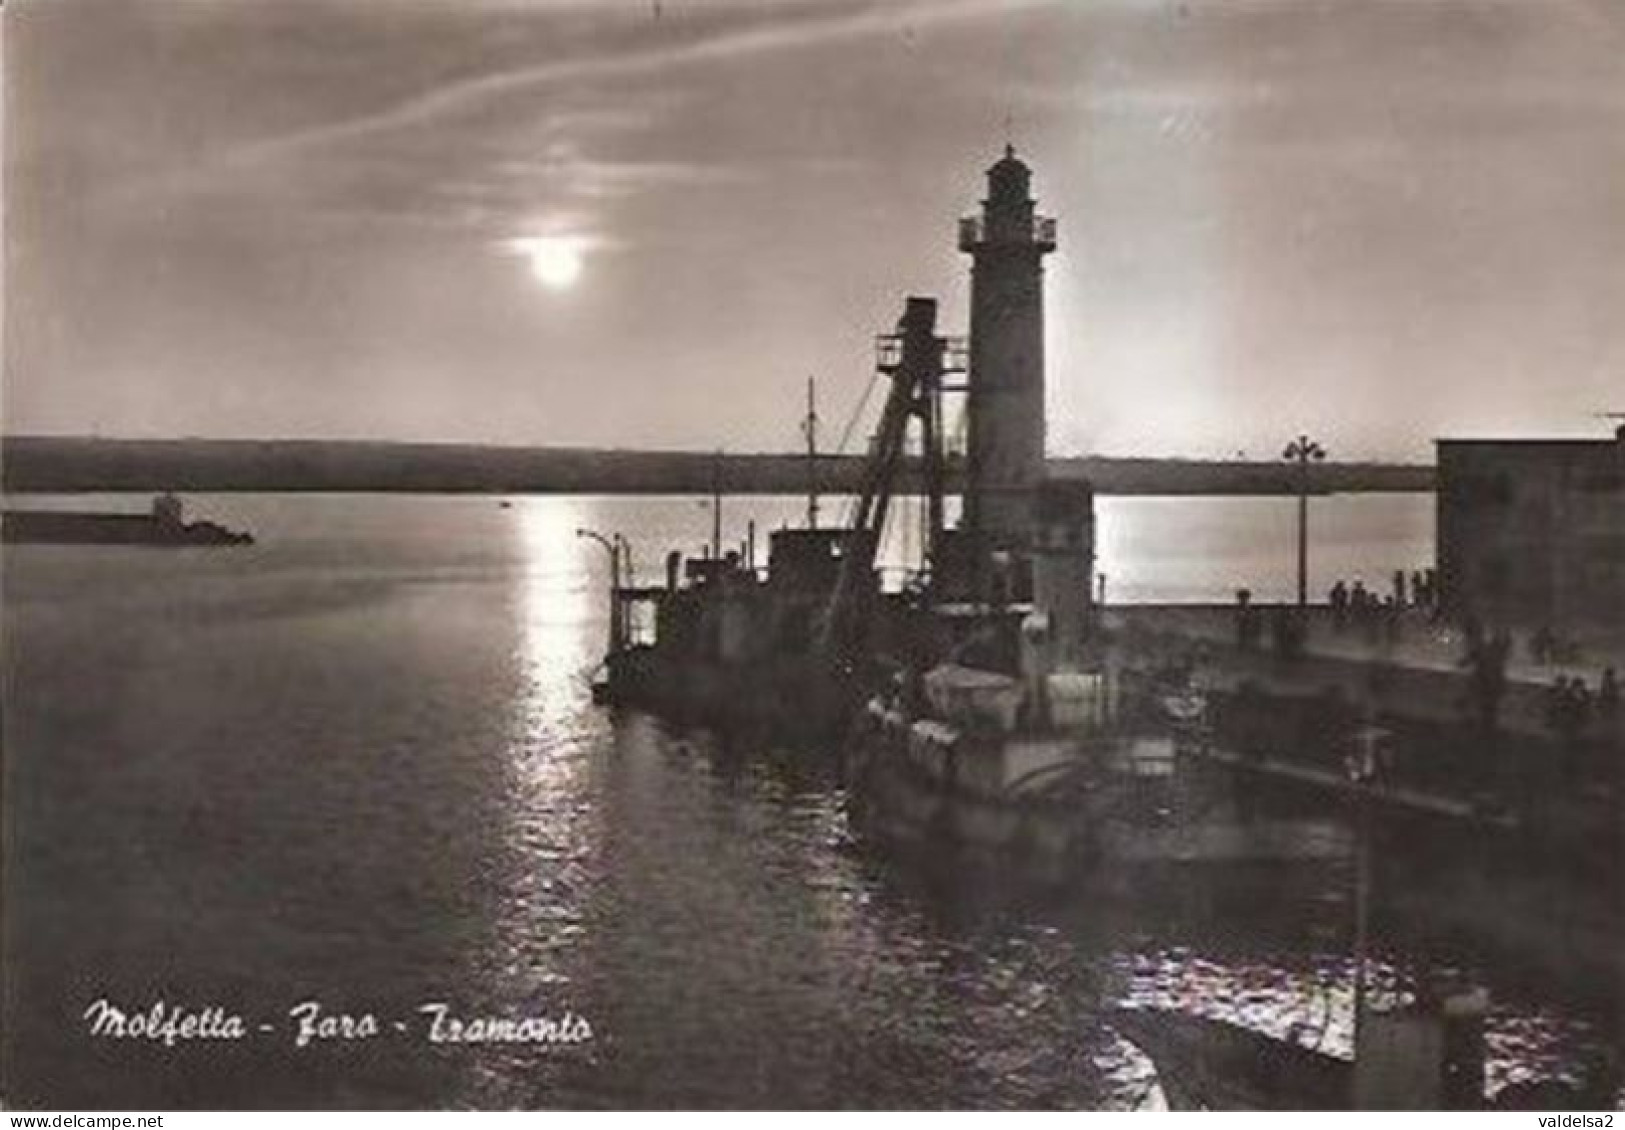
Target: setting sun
[{"x": 554, "y": 260}]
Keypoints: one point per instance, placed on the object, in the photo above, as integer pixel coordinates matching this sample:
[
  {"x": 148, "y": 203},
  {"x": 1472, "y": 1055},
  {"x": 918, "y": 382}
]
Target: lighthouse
[{"x": 1007, "y": 244}]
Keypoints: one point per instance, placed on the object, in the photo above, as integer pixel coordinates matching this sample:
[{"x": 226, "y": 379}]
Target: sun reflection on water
[
  {"x": 555, "y": 604},
  {"x": 547, "y": 872}
]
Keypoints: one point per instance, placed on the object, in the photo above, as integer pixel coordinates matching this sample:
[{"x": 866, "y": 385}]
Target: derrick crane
[{"x": 915, "y": 359}]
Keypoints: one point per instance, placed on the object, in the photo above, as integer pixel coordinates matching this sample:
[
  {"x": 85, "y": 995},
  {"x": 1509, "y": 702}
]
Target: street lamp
[
  {"x": 1303, "y": 451},
  {"x": 613, "y": 549}
]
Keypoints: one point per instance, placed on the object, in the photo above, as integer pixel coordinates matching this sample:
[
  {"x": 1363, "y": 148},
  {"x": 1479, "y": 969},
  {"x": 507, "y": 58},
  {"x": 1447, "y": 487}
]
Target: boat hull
[
  {"x": 792, "y": 698},
  {"x": 909, "y": 783}
]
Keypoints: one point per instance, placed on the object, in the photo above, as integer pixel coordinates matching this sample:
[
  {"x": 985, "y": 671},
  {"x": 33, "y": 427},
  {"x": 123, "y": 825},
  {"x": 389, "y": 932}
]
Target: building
[{"x": 1532, "y": 532}]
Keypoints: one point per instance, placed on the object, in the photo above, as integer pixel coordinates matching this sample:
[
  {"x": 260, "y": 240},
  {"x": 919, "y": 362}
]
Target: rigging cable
[
  {"x": 846, "y": 435},
  {"x": 852, "y": 420}
]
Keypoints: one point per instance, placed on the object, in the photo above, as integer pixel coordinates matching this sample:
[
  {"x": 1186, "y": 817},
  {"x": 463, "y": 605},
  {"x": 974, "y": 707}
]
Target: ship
[
  {"x": 164, "y": 525},
  {"x": 793, "y": 648},
  {"x": 979, "y": 700},
  {"x": 1040, "y": 742}
]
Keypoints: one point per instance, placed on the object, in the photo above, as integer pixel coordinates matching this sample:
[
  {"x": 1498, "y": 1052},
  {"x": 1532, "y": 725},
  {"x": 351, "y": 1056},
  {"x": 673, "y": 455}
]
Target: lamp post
[
  {"x": 1303, "y": 451},
  {"x": 613, "y": 549}
]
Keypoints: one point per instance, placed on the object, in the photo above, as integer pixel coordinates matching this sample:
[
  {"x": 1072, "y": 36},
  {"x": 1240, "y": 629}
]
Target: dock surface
[{"x": 1424, "y": 661}]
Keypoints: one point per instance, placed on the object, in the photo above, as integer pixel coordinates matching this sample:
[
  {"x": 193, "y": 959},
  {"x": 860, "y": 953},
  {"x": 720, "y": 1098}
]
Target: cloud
[
  {"x": 463, "y": 157},
  {"x": 469, "y": 94}
]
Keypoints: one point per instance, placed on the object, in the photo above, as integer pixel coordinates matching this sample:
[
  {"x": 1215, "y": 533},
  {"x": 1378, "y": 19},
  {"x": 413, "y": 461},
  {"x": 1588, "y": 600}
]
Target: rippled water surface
[{"x": 358, "y": 764}]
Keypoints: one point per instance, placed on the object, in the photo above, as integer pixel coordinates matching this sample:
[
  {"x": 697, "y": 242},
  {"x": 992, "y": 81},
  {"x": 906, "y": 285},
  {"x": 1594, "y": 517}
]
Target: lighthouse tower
[{"x": 1007, "y": 244}]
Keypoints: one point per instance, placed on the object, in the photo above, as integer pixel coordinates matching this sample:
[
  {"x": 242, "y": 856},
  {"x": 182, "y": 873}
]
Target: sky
[{"x": 645, "y": 223}]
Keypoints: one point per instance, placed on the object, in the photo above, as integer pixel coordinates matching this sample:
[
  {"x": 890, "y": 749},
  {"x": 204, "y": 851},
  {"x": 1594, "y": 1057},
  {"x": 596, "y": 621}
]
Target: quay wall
[
  {"x": 1547, "y": 887},
  {"x": 1303, "y": 705}
]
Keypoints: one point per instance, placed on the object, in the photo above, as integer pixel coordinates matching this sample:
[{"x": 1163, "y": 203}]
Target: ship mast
[
  {"x": 716, "y": 506},
  {"x": 809, "y": 427}
]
